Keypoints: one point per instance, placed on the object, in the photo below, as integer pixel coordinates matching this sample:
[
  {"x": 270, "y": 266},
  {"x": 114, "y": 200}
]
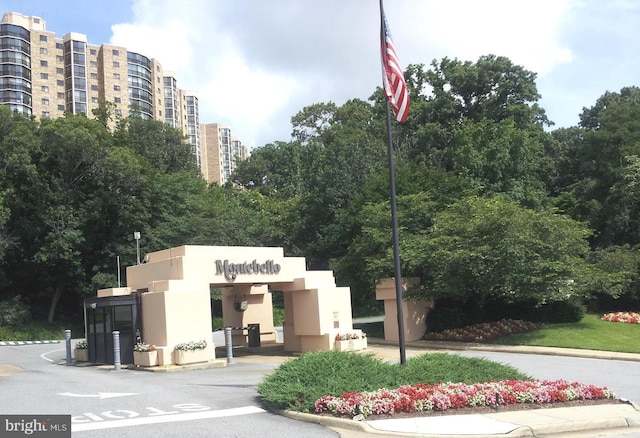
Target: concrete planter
[
  {"x": 145, "y": 358},
  {"x": 81, "y": 355},
  {"x": 351, "y": 344},
  {"x": 183, "y": 357}
]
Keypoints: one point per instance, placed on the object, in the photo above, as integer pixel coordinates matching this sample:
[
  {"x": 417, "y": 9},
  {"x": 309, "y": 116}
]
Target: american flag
[{"x": 392, "y": 77}]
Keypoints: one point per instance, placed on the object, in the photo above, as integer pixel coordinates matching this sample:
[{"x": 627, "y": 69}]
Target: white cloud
[{"x": 254, "y": 64}]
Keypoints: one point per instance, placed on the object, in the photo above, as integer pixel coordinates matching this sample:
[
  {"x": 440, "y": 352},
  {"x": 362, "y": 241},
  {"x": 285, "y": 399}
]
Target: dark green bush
[
  {"x": 298, "y": 383},
  {"x": 450, "y": 314},
  {"x": 443, "y": 367},
  {"x": 13, "y": 312},
  {"x": 571, "y": 310}
]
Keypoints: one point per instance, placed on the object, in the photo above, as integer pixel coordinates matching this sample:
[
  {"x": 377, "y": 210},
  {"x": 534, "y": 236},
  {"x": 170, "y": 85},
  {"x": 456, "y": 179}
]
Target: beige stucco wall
[
  {"x": 414, "y": 312},
  {"x": 176, "y": 307},
  {"x": 259, "y": 311}
]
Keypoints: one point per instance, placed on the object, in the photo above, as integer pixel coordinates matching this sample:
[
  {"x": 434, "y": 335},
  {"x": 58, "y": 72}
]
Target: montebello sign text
[{"x": 231, "y": 270}]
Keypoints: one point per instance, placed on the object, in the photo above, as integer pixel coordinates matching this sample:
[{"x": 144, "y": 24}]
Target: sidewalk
[{"x": 620, "y": 417}]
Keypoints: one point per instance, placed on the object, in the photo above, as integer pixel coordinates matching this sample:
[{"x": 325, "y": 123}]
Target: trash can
[{"x": 254, "y": 335}]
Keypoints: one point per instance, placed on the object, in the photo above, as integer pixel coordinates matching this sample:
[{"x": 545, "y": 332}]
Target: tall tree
[
  {"x": 482, "y": 248},
  {"x": 453, "y": 92}
]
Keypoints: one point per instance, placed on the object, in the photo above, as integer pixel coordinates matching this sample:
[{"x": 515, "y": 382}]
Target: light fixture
[{"x": 136, "y": 235}]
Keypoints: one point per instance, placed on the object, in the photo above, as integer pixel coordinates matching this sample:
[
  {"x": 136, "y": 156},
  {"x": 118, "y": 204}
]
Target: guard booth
[{"x": 105, "y": 315}]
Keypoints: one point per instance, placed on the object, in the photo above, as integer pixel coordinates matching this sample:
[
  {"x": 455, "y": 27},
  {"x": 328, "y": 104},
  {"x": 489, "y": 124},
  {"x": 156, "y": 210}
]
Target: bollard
[
  {"x": 228, "y": 341},
  {"x": 67, "y": 336},
  {"x": 116, "y": 350}
]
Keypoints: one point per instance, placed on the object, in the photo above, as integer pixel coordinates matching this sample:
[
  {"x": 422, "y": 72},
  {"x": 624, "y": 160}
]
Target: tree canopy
[{"x": 492, "y": 203}]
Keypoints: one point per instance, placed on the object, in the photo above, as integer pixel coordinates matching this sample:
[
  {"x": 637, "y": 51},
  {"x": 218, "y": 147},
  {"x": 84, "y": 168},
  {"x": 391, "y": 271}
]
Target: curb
[
  {"x": 622, "y": 421},
  {"x": 500, "y": 348},
  {"x": 16, "y": 343}
]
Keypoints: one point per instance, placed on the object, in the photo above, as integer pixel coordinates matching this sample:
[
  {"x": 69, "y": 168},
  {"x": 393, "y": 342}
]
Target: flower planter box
[
  {"x": 351, "y": 344},
  {"x": 81, "y": 355},
  {"x": 145, "y": 358},
  {"x": 183, "y": 357}
]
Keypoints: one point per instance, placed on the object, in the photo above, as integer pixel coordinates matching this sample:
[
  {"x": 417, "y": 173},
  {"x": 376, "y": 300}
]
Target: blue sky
[{"x": 255, "y": 63}]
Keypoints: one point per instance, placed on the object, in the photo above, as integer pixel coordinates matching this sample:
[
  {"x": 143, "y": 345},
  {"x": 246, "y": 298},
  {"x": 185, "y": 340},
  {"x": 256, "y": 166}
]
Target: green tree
[
  {"x": 612, "y": 134},
  {"x": 481, "y": 248},
  {"x": 499, "y": 158},
  {"x": 453, "y": 92}
]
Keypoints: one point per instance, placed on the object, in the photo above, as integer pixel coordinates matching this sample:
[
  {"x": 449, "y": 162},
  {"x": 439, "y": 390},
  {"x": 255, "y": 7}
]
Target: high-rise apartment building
[
  {"x": 45, "y": 76},
  {"x": 221, "y": 152}
]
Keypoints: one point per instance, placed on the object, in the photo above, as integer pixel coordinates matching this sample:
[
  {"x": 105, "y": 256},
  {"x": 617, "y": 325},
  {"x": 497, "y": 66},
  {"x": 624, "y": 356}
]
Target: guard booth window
[
  {"x": 123, "y": 322},
  {"x": 104, "y": 316}
]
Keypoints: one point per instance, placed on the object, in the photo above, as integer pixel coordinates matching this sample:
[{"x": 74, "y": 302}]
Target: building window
[
  {"x": 92, "y": 51},
  {"x": 43, "y": 63},
  {"x": 59, "y": 58},
  {"x": 43, "y": 50},
  {"x": 60, "y": 83},
  {"x": 115, "y": 52},
  {"x": 117, "y": 100},
  {"x": 93, "y": 63},
  {"x": 94, "y": 75},
  {"x": 94, "y": 88},
  {"x": 116, "y": 88},
  {"x": 60, "y": 95},
  {"x": 43, "y": 38},
  {"x": 94, "y": 100},
  {"x": 45, "y": 101},
  {"x": 44, "y": 76},
  {"x": 46, "y": 114},
  {"x": 116, "y": 64},
  {"x": 44, "y": 89},
  {"x": 60, "y": 70},
  {"x": 116, "y": 76},
  {"x": 118, "y": 112},
  {"x": 60, "y": 46},
  {"x": 60, "y": 107}
]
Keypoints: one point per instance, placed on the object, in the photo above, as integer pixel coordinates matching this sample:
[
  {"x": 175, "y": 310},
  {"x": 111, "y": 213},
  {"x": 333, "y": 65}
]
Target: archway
[{"x": 174, "y": 287}]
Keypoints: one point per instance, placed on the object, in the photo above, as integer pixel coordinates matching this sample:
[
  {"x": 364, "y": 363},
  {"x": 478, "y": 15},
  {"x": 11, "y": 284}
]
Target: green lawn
[{"x": 591, "y": 333}]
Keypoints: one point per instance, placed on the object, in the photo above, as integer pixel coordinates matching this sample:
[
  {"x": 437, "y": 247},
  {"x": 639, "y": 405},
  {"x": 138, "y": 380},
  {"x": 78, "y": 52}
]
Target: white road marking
[
  {"x": 166, "y": 418},
  {"x": 100, "y": 395},
  {"x": 44, "y": 355}
]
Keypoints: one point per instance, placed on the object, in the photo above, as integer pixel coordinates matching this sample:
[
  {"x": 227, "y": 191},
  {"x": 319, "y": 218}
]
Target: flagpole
[{"x": 394, "y": 226}]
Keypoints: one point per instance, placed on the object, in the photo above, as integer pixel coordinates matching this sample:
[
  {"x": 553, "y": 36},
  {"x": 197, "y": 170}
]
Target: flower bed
[
  {"x": 191, "y": 352},
  {"x": 484, "y": 332},
  {"x": 145, "y": 355},
  {"x": 444, "y": 396},
  {"x": 628, "y": 317},
  {"x": 191, "y": 346},
  {"x": 351, "y": 341},
  {"x": 143, "y": 348},
  {"x": 81, "y": 351}
]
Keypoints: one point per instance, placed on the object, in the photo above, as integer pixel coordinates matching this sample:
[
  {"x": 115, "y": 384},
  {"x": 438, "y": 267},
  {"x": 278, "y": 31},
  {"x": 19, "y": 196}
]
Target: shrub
[
  {"x": 298, "y": 383},
  {"x": 571, "y": 310},
  {"x": 14, "y": 312},
  {"x": 450, "y": 316}
]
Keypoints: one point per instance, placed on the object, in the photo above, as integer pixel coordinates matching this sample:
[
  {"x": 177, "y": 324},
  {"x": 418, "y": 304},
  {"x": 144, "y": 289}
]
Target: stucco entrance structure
[{"x": 174, "y": 287}]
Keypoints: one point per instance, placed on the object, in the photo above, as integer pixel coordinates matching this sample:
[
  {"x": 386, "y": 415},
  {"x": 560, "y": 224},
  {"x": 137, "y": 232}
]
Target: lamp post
[{"x": 136, "y": 235}]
